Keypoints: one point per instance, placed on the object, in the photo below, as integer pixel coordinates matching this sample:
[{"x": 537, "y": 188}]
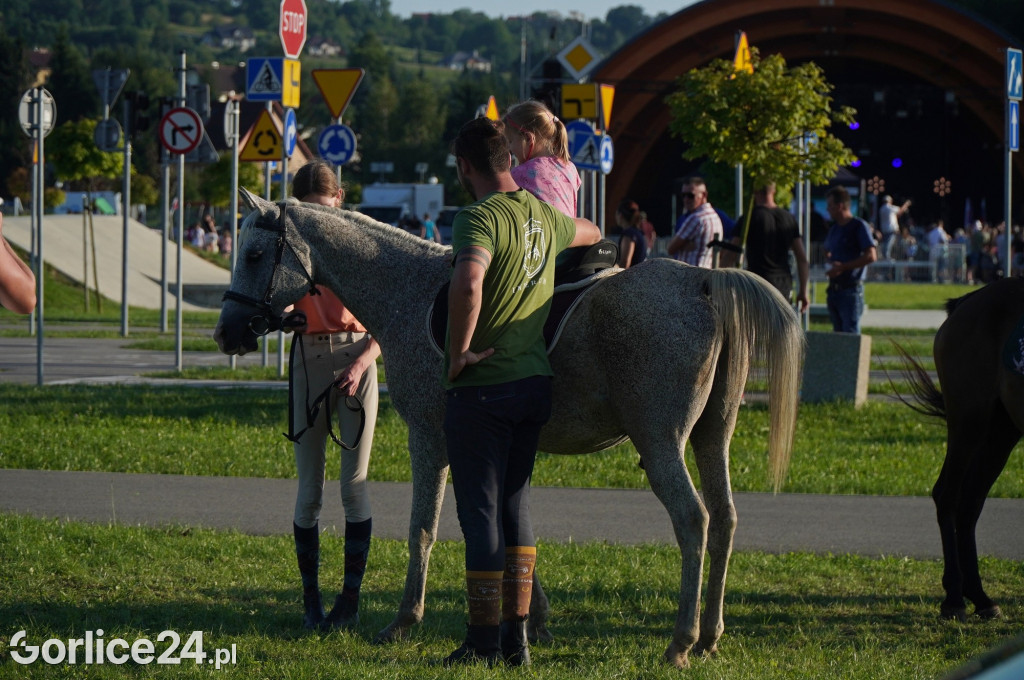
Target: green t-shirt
[{"x": 523, "y": 235}]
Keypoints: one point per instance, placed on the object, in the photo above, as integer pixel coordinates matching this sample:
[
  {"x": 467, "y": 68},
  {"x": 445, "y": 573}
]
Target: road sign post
[{"x": 1014, "y": 93}]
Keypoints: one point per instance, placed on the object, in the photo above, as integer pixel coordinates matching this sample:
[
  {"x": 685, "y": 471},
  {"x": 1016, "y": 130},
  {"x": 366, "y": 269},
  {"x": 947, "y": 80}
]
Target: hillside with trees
[{"x": 415, "y": 94}]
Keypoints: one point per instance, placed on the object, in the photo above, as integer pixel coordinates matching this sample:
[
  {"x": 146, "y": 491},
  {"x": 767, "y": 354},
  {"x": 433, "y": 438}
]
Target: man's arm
[
  {"x": 866, "y": 257},
  {"x": 17, "y": 283},
  {"x": 803, "y": 271},
  {"x": 587, "y": 233},
  {"x": 465, "y": 297}
]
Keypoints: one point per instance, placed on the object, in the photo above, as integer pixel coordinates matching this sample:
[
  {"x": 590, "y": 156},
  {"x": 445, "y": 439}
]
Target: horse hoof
[
  {"x": 706, "y": 650},
  {"x": 954, "y": 613},
  {"x": 391, "y": 634},
  {"x": 989, "y": 613},
  {"x": 676, "y": 658},
  {"x": 538, "y": 632}
]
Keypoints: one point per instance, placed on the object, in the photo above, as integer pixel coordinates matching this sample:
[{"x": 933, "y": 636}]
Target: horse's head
[{"x": 272, "y": 272}]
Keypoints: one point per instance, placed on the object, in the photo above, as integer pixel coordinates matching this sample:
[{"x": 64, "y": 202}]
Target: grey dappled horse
[{"x": 658, "y": 353}]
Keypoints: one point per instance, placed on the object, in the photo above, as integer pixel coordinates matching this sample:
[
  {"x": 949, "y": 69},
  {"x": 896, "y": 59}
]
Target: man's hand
[{"x": 467, "y": 358}]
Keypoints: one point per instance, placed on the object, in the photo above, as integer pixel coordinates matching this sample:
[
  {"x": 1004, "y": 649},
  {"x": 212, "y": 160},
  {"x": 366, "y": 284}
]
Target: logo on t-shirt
[{"x": 534, "y": 247}]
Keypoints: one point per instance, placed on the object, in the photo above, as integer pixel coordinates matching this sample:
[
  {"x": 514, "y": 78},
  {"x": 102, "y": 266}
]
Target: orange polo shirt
[{"x": 325, "y": 313}]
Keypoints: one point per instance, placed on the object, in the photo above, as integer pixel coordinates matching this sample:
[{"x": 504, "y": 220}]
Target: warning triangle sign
[
  {"x": 266, "y": 81},
  {"x": 492, "y": 108},
  {"x": 337, "y": 85},
  {"x": 264, "y": 143}
]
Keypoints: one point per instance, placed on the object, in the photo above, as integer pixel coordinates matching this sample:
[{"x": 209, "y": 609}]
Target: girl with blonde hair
[{"x": 539, "y": 142}]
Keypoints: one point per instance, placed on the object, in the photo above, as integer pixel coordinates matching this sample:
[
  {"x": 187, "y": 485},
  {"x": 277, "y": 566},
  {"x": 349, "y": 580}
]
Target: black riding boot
[
  {"x": 345, "y": 613},
  {"x": 307, "y": 550},
  {"x": 515, "y": 649},
  {"x": 481, "y": 645}
]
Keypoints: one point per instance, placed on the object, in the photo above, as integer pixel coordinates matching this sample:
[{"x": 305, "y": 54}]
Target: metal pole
[
  {"x": 179, "y": 364},
  {"x": 284, "y": 197},
  {"x": 126, "y": 190},
  {"x": 34, "y": 228},
  {"x": 739, "y": 190},
  {"x": 233, "y": 143},
  {"x": 1008, "y": 199},
  {"x": 165, "y": 211},
  {"x": 39, "y": 204},
  {"x": 267, "y": 187},
  {"x": 602, "y": 202}
]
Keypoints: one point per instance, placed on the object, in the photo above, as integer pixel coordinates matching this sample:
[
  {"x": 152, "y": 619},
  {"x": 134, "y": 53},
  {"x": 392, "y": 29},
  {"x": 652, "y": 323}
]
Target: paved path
[{"x": 864, "y": 525}]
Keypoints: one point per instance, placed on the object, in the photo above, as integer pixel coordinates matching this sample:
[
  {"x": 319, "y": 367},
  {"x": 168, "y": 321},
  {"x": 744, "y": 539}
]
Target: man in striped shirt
[{"x": 698, "y": 227}]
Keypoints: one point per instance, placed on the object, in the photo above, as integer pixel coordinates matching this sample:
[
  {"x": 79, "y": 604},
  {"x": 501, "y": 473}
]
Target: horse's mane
[{"x": 394, "y": 235}]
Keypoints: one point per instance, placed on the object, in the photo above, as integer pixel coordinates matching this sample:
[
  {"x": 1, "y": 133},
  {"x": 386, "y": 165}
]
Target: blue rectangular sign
[
  {"x": 1013, "y": 126},
  {"x": 264, "y": 79},
  {"x": 1014, "y": 75}
]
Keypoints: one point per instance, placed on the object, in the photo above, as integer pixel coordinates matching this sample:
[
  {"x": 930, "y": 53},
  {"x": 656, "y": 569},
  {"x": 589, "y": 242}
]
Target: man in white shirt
[{"x": 698, "y": 227}]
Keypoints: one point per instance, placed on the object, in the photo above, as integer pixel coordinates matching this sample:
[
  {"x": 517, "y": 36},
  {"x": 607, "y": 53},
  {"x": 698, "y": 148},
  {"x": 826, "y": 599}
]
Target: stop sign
[{"x": 293, "y": 27}]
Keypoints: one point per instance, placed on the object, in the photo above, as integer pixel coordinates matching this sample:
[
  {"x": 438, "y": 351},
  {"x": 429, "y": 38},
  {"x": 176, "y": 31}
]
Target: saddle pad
[
  {"x": 1013, "y": 350},
  {"x": 563, "y": 302}
]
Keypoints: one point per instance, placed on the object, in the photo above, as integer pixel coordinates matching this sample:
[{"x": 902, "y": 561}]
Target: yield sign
[
  {"x": 337, "y": 85},
  {"x": 181, "y": 130},
  {"x": 264, "y": 143}
]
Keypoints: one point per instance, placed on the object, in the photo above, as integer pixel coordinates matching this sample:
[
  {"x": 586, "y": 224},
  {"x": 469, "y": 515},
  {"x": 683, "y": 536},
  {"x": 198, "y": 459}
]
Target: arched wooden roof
[{"x": 929, "y": 40}]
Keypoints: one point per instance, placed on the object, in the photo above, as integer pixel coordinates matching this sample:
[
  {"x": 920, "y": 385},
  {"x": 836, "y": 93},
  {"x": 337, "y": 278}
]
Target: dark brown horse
[{"x": 979, "y": 358}]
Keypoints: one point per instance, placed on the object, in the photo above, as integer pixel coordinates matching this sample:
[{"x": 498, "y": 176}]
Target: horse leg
[
  {"x": 540, "y": 608},
  {"x": 671, "y": 483},
  {"x": 1001, "y": 438},
  {"x": 710, "y": 441},
  {"x": 428, "y": 479}
]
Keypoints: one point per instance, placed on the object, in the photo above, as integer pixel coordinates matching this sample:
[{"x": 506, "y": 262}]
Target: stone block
[{"x": 836, "y": 367}]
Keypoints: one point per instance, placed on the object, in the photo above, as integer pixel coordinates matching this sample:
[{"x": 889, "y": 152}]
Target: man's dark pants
[{"x": 492, "y": 436}]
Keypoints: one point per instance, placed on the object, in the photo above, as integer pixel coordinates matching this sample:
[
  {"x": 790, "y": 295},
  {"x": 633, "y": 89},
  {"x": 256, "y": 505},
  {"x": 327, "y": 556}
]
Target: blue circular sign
[
  {"x": 607, "y": 154},
  {"x": 337, "y": 144},
  {"x": 291, "y": 132}
]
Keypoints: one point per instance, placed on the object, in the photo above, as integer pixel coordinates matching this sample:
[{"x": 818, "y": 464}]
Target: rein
[
  {"x": 352, "y": 403},
  {"x": 266, "y": 321}
]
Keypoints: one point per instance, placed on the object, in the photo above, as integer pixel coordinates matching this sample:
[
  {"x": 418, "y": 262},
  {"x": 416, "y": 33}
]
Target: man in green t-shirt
[{"x": 498, "y": 382}]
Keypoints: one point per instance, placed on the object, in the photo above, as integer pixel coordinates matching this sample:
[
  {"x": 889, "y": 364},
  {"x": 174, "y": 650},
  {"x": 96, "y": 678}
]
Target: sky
[{"x": 592, "y": 9}]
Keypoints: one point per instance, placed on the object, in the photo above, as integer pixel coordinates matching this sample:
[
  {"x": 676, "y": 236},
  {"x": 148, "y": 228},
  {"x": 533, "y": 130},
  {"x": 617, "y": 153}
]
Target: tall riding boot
[
  {"x": 483, "y": 590},
  {"x": 345, "y": 613},
  {"x": 517, "y": 587},
  {"x": 307, "y": 549}
]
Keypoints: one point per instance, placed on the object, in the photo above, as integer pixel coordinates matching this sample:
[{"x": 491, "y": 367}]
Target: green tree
[
  {"x": 759, "y": 119},
  {"x": 76, "y": 158},
  {"x": 215, "y": 181},
  {"x": 13, "y": 83},
  {"x": 70, "y": 81}
]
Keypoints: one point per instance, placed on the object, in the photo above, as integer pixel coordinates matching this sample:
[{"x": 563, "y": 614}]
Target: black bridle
[{"x": 266, "y": 321}]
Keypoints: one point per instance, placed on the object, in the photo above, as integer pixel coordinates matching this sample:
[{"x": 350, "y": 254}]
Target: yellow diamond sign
[{"x": 579, "y": 58}]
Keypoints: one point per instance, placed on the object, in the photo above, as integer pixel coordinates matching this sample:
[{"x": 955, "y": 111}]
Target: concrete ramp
[{"x": 63, "y": 249}]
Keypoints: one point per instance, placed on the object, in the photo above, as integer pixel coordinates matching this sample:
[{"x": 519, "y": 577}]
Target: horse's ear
[{"x": 251, "y": 200}]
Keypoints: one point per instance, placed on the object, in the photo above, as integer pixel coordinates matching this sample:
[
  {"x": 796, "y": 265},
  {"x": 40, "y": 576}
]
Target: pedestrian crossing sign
[{"x": 264, "y": 79}]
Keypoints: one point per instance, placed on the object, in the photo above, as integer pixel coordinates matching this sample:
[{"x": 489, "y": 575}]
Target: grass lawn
[
  {"x": 786, "y": 616},
  {"x": 881, "y": 448}
]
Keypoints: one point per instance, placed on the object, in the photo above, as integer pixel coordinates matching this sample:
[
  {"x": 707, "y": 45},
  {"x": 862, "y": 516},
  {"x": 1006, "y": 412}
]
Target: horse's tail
[
  {"x": 760, "y": 325},
  {"x": 927, "y": 398}
]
